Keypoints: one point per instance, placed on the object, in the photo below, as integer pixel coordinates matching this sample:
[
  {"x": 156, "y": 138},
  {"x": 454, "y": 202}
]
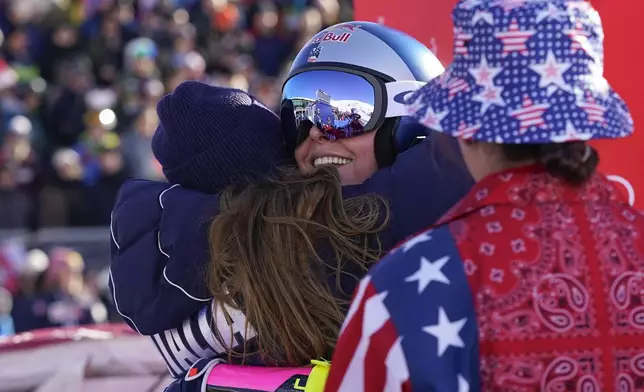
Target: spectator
[
  {"x": 112, "y": 174},
  {"x": 60, "y": 296},
  {"x": 6, "y": 321},
  {"x": 79, "y": 84},
  {"x": 18, "y": 176},
  {"x": 137, "y": 149},
  {"x": 55, "y": 57}
]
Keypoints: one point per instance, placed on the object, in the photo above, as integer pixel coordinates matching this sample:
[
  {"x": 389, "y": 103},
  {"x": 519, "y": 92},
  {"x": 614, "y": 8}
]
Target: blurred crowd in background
[{"x": 79, "y": 83}]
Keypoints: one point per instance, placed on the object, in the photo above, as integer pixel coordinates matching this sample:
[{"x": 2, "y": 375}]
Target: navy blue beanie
[{"x": 209, "y": 137}]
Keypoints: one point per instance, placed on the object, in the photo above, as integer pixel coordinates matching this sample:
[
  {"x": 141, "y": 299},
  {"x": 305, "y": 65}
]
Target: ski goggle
[{"x": 340, "y": 103}]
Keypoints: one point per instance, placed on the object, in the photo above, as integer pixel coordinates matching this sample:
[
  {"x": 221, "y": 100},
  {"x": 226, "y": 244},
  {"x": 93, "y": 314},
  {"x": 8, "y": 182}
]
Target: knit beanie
[{"x": 209, "y": 137}]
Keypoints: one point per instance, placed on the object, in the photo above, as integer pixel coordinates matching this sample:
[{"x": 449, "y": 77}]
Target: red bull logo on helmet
[{"x": 332, "y": 37}]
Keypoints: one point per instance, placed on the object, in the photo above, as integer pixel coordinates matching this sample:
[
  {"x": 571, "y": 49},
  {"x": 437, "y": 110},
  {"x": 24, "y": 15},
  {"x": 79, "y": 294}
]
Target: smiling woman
[
  {"x": 341, "y": 101},
  {"x": 354, "y": 157},
  {"x": 339, "y": 118}
]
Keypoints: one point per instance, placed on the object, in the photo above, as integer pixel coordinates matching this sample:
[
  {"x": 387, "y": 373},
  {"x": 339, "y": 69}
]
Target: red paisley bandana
[{"x": 558, "y": 278}]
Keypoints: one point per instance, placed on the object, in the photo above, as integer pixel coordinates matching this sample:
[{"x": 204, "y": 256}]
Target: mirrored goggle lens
[{"x": 340, "y": 104}]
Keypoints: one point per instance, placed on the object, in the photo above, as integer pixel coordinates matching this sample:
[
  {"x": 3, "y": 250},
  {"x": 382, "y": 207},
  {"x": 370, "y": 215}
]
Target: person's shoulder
[
  {"x": 136, "y": 209},
  {"x": 186, "y": 211},
  {"x": 142, "y": 198},
  {"x": 434, "y": 246},
  {"x": 423, "y": 288},
  {"x": 139, "y": 190}
]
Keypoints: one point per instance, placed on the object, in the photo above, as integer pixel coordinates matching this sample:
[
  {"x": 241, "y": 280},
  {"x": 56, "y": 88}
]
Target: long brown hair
[{"x": 264, "y": 259}]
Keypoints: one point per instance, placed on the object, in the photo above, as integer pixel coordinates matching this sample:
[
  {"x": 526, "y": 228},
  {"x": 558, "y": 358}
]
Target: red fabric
[
  {"x": 622, "y": 24},
  {"x": 557, "y": 281},
  {"x": 557, "y": 278},
  {"x": 360, "y": 359}
]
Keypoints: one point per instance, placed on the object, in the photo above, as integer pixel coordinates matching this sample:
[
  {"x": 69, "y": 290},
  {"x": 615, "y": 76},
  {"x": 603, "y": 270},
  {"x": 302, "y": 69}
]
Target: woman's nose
[{"x": 318, "y": 136}]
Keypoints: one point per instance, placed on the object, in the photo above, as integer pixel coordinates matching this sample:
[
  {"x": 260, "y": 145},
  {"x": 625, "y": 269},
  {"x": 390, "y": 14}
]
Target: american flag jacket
[{"x": 526, "y": 285}]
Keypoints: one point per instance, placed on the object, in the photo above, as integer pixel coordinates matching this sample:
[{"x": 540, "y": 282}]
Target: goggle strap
[{"x": 397, "y": 92}]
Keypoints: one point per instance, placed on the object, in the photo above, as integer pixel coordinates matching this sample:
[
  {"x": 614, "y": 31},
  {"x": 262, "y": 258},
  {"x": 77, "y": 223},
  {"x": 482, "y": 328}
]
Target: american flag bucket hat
[{"x": 524, "y": 71}]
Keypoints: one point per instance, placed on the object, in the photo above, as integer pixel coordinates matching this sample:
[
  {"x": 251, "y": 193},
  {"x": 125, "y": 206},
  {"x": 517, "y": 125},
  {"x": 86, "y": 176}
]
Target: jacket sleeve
[{"x": 159, "y": 243}]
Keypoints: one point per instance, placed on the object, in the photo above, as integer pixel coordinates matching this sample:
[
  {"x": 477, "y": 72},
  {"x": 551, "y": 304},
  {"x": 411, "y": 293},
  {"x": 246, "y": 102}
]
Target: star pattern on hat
[
  {"x": 551, "y": 72},
  {"x": 457, "y": 85},
  {"x": 514, "y": 39},
  {"x": 509, "y": 5},
  {"x": 530, "y": 114},
  {"x": 519, "y": 78},
  {"x": 460, "y": 42},
  {"x": 414, "y": 104},
  {"x": 445, "y": 78},
  {"x": 484, "y": 16},
  {"x": 467, "y": 132},
  {"x": 484, "y": 74},
  {"x": 579, "y": 5},
  {"x": 571, "y": 135},
  {"x": 432, "y": 120},
  {"x": 552, "y": 12},
  {"x": 490, "y": 95},
  {"x": 579, "y": 37},
  {"x": 596, "y": 112},
  {"x": 469, "y": 4}
]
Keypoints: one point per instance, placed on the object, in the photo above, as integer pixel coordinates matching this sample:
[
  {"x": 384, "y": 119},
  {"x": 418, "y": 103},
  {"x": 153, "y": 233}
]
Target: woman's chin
[{"x": 348, "y": 175}]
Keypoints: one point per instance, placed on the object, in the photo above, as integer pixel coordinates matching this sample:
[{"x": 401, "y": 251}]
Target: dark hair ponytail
[{"x": 573, "y": 162}]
